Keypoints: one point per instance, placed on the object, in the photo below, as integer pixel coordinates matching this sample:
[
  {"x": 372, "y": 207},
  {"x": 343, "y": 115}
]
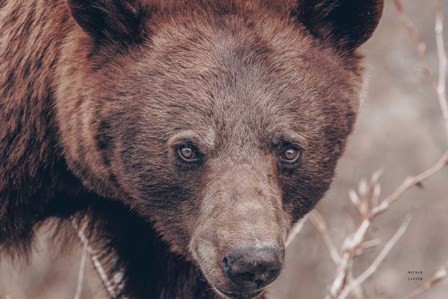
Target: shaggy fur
[{"x": 97, "y": 97}]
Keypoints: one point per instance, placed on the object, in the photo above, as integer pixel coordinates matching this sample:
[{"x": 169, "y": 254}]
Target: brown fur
[{"x": 95, "y": 100}]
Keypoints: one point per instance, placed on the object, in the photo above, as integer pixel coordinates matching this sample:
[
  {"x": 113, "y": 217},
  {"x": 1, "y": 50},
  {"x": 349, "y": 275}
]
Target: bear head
[{"x": 218, "y": 122}]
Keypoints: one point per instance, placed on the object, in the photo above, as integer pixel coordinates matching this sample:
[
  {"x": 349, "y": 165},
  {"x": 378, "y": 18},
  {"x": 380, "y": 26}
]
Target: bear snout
[
  {"x": 253, "y": 267},
  {"x": 240, "y": 271},
  {"x": 238, "y": 239}
]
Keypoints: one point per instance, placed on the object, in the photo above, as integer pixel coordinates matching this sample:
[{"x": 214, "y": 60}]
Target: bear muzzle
[
  {"x": 249, "y": 270},
  {"x": 245, "y": 271},
  {"x": 253, "y": 267}
]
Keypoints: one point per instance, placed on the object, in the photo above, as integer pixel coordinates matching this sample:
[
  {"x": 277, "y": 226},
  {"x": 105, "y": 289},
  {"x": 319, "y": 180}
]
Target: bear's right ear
[
  {"x": 119, "y": 21},
  {"x": 347, "y": 24}
]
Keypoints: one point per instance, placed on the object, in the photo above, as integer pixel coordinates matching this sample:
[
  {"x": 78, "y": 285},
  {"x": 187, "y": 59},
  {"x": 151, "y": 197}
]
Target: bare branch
[
  {"x": 410, "y": 182},
  {"x": 443, "y": 64},
  {"x": 319, "y": 223},
  {"x": 416, "y": 38},
  {"x": 355, "y": 244},
  {"x": 366, "y": 246},
  {"x": 437, "y": 277},
  {"x": 82, "y": 267},
  {"x": 350, "y": 249},
  {"x": 295, "y": 230},
  {"x": 379, "y": 259},
  {"x": 439, "y": 84},
  {"x": 109, "y": 286}
]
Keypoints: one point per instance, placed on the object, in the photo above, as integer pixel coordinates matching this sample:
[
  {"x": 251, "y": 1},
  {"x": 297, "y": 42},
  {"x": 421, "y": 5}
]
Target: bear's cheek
[
  {"x": 158, "y": 193},
  {"x": 173, "y": 212},
  {"x": 303, "y": 188}
]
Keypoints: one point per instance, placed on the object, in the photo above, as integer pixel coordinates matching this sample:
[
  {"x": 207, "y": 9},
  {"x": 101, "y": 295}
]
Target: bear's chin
[{"x": 224, "y": 294}]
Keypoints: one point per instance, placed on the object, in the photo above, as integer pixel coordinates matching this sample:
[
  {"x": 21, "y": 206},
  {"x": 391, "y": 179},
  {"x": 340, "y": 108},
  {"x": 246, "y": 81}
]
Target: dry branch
[
  {"x": 108, "y": 285},
  {"x": 319, "y": 223},
  {"x": 408, "y": 183},
  {"x": 82, "y": 268},
  {"x": 443, "y": 64},
  {"x": 366, "y": 200},
  {"x": 295, "y": 230},
  {"x": 379, "y": 259},
  {"x": 439, "y": 84},
  {"x": 437, "y": 277},
  {"x": 416, "y": 38}
]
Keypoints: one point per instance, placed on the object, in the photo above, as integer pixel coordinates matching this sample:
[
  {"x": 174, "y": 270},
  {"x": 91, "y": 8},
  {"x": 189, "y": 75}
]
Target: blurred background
[{"x": 400, "y": 130}]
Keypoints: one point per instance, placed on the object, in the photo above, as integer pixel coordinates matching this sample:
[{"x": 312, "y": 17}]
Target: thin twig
[
  {"x": 363, "y": 247},
  {"x": 353, "y": 244},
  {"x": 439, "y": 84},
  {"x": 358, "y": 292},
  {"x": 319, "y": 223},
  {"x": 295, "y": 230},
  {"x": 82, "y": 267},
  {"x": 410, "y": 182},
  {"x": 350, "y": 249},
  {"x": 379, "y": 259},
  {"x": 109, "y": 286},
  {"x": 443, "y": 64},
  {"x": 416, "y": 38},
  {"x": 438, "y": 277}
]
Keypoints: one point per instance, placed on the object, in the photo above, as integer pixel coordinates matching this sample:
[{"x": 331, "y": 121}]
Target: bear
[{"x": 190, "y": 134}]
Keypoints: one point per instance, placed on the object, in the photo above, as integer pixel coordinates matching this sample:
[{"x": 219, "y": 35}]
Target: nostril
[
  {"x": 226, "y": 262},
  {"x": 253, "y": 267},
  {"x": 267, "y": 277},
  {"x": 274, "y": 273}
]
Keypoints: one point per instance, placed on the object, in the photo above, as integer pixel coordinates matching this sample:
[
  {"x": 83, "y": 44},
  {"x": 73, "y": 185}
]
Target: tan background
[{"x": 400, "y": 130}]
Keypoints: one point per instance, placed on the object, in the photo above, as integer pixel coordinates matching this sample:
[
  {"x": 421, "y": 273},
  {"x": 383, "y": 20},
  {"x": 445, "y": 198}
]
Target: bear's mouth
[{"x": 240, "y": 295}]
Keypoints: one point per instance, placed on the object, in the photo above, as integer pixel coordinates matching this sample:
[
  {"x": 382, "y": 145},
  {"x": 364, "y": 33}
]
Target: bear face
[{"x": 219, "y": 123}]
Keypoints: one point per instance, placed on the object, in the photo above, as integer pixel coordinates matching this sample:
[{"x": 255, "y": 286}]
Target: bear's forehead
[
  {"x": 234, "y": 60},
  {"x": 258, "y": 72},
  {"x": 240, "y": 78}
]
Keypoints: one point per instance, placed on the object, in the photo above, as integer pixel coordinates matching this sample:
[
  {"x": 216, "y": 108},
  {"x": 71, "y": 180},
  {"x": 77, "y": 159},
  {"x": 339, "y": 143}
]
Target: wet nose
[{"x": 253, "y": 267}]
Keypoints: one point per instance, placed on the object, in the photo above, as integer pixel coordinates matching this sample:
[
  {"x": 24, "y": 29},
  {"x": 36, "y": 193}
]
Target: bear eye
[
  {"x": 290, "y": 155},
  {"x": 188, "y": 153}
]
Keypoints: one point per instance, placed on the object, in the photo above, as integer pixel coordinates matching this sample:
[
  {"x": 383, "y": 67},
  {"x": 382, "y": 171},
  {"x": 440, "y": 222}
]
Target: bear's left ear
[
  {"x": 119, "y": 21},
  {"x": 347, "y": 24}
]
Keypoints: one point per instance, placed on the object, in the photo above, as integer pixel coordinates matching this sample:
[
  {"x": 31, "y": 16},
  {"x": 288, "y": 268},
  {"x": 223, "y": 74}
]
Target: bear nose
[{"x": 253, "y": 267}]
